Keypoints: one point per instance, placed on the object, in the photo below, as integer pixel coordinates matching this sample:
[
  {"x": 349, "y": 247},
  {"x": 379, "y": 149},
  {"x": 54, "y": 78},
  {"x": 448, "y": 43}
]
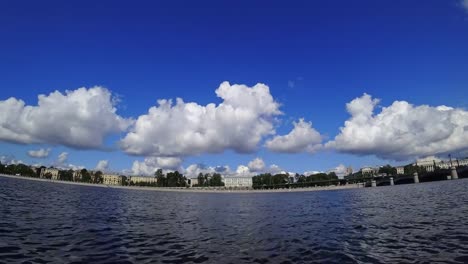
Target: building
[
  {"x": 400, "y": 170},
  {"x": 349, "y": 171},
  {"x": 428, "y": 163},
  {"x": 54, "y": 173},
  {"x": 238, "y": 182},
  {"x": 112, "y": 179},
  {"x": 369, "y": 171},
  {"x": 192, "y": 181},
  {"x": 77, "y": 176},
  {"x": 143, "y": 179}
]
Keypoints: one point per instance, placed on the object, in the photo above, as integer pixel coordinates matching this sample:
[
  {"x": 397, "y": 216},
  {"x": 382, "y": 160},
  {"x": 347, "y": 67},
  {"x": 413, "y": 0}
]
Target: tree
[
  {"x": 175, "y": 179},
  {"x": 98, "y": 177},
  {"x": 201, "y": 179},
  {"x": 389, "y": 170},
  {"x": 66, "y": 175},
  {"x": 161, "y": 179},
  {"x": 124, "y": 180},
  {"x": 216, "y": 180},
  {"x": 85, "y": 176},
  {"x": 411, "y": 169}
]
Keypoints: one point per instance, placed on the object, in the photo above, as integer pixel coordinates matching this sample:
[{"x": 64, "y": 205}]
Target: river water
[{"x": 50, "y": 222}]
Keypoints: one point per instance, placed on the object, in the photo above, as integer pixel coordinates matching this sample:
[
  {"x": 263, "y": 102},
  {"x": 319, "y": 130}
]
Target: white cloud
[
  {"x": 62, "y": 163},
  {"x": 151, "y": 164},
  {"x": 40, "y": 153},
  {"x": 193, "y": 170},
  {"x": 102, "y": 165},
  {"x": 341, "y": 170},
  {"x": 8, "y": 160},
  {"x": 256, "y": 165},
  {"x": 62, "y": 158},
  {"x": 402, "y": 130},
  {"x": 303, "y": 138},
  {"x": 239, "y": 122},
  {"x": 80, "y": 119}
]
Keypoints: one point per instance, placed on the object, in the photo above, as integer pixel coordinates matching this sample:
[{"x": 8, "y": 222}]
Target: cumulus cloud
[
  {"x": 62, "y": 158},
  {"x": 80, "y": 119},
  {"x": 239, "y": 122},
  {"x": 341, "y": 170},
  {"x": 8, "y": 160},
  {"x": 401, "y": 131},
  {"x": 256, "y": 165},
  {"x": 303, "y": 138},
  {"x": 193, "y": 170},
  {"x": 151, "y": 164},
  {"x": 40, "y": 153},
  {"x": 62, "y": 163},
  {"x": 102, "y": 165}
]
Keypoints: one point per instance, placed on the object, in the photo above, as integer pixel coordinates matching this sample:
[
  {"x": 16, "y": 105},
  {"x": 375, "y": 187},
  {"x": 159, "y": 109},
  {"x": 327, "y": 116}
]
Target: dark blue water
[{"x": 48, "y": 222}]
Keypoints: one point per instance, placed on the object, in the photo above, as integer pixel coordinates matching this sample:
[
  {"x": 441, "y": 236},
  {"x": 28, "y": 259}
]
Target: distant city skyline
[{"x": 238, "y": 89}]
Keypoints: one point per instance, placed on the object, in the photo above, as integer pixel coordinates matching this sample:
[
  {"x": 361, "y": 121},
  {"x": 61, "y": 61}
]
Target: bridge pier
[
  {"x": 416, "y": 177},
  {"x": 373, "y": 183},
  {"x": 454, "y": 173},
  {"x": 391, "y": 181}
]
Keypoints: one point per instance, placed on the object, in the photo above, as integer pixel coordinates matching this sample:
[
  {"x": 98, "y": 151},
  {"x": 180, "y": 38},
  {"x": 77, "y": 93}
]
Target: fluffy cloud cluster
[
  {"x": 79, "y": 119},
  {"x": 239, "y": 122},
  {"x": 40, "y": 153},
  {"x": 256, "y": 165},
  {"x": 8, "y": 159},
  {"x": 402, "y": 130},
  {"x": 102, "y": 165},
  {"x": 62, "y": 163},
  {"x": 303, "y": 138},
  {"x": 151, "y": 164}
]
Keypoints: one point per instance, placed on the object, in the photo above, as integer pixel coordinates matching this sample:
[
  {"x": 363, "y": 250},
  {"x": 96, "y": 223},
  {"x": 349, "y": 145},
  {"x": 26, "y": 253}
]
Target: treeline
[
  {"x": 209, "y": 180},
  {"x": 269, "y": 181},
  {"x": 20, "y": 169},
  {"x": 171, "y": 179}
]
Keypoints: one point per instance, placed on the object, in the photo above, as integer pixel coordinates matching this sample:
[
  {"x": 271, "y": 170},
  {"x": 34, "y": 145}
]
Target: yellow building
[
  {"x": 112, "y": 179},
  {"x": 52, "y": 171}
]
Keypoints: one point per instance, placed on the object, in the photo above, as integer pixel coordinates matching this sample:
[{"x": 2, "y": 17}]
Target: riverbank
[{"x": 195, "y": 190}]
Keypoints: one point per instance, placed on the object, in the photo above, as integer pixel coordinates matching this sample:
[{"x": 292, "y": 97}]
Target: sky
[{"x": 240, "y": 87}]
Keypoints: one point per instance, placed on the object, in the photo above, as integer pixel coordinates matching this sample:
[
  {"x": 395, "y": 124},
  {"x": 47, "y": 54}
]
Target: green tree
[
  {"x": 216, "y": 180},
  {"x": 66, "y": 175},
  {"x": 98, "y": 177},
  {"x": 201, "y": 179},
  {"x": 389, "y": 170},
  {"x": 85, "y": 176},
  {"x": 161, "y": 179},
  {"x": 411, "y": 169}
]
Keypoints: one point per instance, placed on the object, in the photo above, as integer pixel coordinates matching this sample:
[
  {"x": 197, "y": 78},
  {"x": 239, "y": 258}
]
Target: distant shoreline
[{"x": 192, "y": 190}]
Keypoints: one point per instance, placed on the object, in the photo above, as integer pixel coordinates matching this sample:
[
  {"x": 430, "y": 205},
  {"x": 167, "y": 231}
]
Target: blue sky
[{"x": 315, "y": 57}]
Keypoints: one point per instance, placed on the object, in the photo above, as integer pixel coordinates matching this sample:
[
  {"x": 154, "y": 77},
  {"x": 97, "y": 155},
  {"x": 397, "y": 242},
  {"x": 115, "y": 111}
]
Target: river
[{"x": 43, "y": 222}]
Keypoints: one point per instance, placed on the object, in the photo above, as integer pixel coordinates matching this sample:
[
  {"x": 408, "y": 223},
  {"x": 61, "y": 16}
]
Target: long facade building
[
  {"x": 54, "y": 173},
  {"x": 238, "y": 181},
  {"x": 143, "y": 179},
  {"x": 112, "y": 179}
]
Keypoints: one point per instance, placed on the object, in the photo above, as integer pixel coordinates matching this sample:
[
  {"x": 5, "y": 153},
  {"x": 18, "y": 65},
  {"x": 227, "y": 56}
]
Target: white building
[
  {"x": 237, "y": 181},
  {"x": 369, "y": 171},
  {"x": 400, "y": 170},
  {"x": 192, "y": 181},
  {"x": 112, "y": 179},
  {"x": 143, "y": 179},
  {"x": 52, "y": 171}
]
